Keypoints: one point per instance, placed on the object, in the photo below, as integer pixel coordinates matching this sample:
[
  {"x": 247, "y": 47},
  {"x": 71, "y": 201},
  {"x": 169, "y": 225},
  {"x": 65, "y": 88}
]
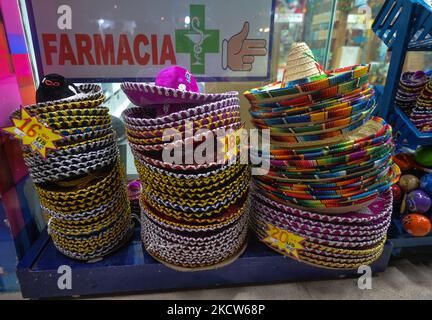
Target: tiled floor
[{"x": 402, "y": 280}]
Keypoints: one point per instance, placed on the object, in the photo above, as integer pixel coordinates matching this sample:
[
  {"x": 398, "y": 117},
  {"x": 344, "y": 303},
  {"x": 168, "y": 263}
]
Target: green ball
[{"x": 424, "y": 156}]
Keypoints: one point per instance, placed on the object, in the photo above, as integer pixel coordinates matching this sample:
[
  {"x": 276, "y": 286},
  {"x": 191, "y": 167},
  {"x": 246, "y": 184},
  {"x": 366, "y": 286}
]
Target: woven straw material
[
  {"x": 81, "y": 186},
  {"x": 301, "y": 64},
  {"x": 194, "y": 216},
  {"x": 339, "y": 81}
]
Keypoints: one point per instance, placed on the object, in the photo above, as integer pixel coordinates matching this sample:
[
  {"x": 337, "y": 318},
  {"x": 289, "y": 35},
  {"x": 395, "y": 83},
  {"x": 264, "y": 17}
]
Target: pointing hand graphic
[{"x": 238, "y": 53}]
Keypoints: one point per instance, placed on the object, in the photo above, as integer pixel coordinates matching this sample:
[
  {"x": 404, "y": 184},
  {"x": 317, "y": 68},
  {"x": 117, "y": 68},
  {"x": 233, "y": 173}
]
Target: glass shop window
[{"x": 338, "y": 32}]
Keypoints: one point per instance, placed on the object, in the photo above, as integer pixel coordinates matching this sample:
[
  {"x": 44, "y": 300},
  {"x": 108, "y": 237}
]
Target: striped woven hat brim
[
  {"x": 275, "y": 93},
  {"x": 321, "y": 106}
]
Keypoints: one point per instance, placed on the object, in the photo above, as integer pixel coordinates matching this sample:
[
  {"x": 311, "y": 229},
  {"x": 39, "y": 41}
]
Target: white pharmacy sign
[{"x": 132, "y": 40}]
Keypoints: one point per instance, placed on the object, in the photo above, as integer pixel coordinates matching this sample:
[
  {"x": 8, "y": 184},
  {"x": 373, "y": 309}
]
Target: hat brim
[{"x": 145, "y": 94}]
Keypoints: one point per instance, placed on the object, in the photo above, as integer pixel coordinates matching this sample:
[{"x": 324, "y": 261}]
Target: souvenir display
[
  {"x": 414, "y": 97},
  {"x": 340, "y": 242},
  {"x": 416, "y": 207},
  {"x": 330, "y": 159},
  {"x": 81, "y": 184},
  {"x": 417, "y": 225},
  {"x": 194, "y": 213},
  {"x": 421, "y": 115},
  {"x": 410, "y": 87}
]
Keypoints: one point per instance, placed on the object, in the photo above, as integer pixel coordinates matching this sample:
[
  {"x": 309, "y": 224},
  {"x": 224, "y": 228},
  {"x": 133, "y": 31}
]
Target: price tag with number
[
  {"x": 33, "y": 133},
  {"x": 284, "y": 241}
]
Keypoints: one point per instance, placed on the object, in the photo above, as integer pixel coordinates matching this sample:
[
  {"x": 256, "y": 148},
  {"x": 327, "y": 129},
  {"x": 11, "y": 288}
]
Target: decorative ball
[
  {"x": 397, "y": 193},
  {"x": 409, "y": 182},
  {"x": 405, "y": 161},
  {"x": 426, "y": 184},
  {"x": 424, "y": 156},
  {"x": 419, "y": 201},
  {"x": 417, "y": 225}
]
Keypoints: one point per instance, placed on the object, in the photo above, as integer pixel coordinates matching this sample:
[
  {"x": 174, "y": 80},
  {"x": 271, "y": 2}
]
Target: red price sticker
[{"x": 32, "y": 133}]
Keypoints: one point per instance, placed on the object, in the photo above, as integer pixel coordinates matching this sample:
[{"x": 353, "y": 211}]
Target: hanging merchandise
[
  {"x": 194, "y": 212},
  {"x": 327, "y": 198},
  {"x": 80, "y": 182}
]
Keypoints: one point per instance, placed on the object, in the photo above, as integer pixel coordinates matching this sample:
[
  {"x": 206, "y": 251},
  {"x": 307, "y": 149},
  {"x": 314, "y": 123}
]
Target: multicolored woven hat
[
  {"x": 301, "y": 65},
  {"x": 81, "y": 185},
  {"x": 194, "y": 215},
  {"x": 410, "y": 87},
  {"x": 329, "y": 161},
  {"x": 174, "y": 85},
  {"x": 342, "y": 242},
  {"x": 339, "y": 81},
  {"x": 421, "y": 113}
]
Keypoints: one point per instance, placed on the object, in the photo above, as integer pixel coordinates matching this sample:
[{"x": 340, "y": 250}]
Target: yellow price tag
[
  {"x": 231, "y": 142},
  {"x": 33, "y": 133},
  {"x": 284, "y": 241}
]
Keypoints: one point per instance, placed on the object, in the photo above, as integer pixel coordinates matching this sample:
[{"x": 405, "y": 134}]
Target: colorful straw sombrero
[
  {"x": 342, "y": 242},
  {"x": 194, "y": 215},
  {"x": 301, "y": 65},
  {"x": 80, "y": 184},
  {"x": 88, "y": 96},
  {"x": 174, "y": 85},
  {"x": 329, "y": 162},
  {"x": 410, "y": 87},
  {"x": 339, "y": 81}
]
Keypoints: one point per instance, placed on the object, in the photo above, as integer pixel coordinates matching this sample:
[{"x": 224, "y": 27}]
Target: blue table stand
[{"x": 133, "y": 270}]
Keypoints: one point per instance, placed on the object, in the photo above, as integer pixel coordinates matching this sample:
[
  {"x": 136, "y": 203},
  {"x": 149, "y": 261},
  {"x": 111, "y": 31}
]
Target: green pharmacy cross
[{"x": 197, "y": 41}]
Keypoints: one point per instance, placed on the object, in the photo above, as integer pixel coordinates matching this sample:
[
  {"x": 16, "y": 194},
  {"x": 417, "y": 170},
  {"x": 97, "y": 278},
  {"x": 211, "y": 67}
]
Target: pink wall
[{"x": 16, "y": 80}]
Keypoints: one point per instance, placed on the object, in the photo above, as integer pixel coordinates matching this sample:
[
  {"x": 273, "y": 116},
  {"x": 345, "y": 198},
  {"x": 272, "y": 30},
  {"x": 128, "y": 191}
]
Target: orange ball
[{"x": 417, "y": 225}]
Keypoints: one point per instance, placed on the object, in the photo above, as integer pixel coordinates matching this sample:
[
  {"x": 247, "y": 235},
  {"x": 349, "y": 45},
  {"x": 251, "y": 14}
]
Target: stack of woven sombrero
[
  {"x": 328, "y": 156},
  {"x": 81, "y": 186},
  {"x": 421, "y": 114},
  {"x": 411, "y": 86},
  {"x": 194, "y": 213}
]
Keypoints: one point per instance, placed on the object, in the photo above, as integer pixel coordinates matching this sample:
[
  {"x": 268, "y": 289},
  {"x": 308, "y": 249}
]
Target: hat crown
[
  {"x": 177, "y": 78},
  {"x": 301, "y": 63},
  {"x": 55, "y": 87}
]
